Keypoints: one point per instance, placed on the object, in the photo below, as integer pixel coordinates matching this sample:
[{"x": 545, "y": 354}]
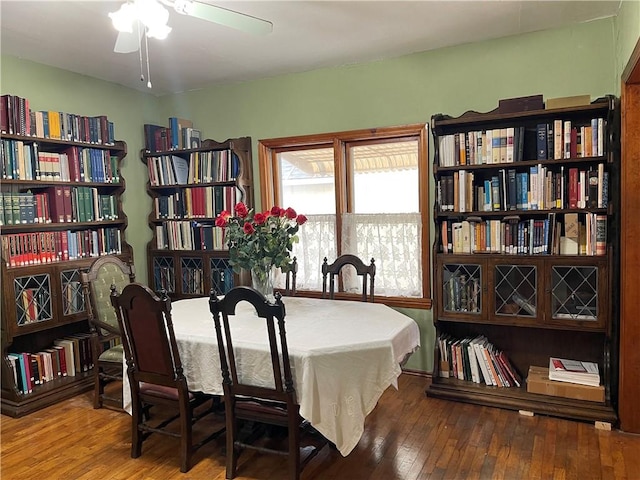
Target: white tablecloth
[{"x": 344, "y": 355}]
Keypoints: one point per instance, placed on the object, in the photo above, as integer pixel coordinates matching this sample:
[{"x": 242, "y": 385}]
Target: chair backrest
[
  {"x": 96, "y": 286},
  {"x": 273, "y": 316},
  {"x": 291, "y": 272},
  {"x": 367, "y": 272},
  {"x": 148, "y": 338}
]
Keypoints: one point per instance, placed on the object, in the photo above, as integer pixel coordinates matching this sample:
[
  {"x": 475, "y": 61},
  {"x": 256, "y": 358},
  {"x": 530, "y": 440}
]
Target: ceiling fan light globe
[
  {"x": 123, "y": 18},
  {"x": 151, "y": 13},
  {"x": 158, "y": 31}
]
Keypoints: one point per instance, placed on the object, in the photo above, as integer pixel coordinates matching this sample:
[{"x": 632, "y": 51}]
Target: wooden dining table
[{"x": 344, "y": 355}]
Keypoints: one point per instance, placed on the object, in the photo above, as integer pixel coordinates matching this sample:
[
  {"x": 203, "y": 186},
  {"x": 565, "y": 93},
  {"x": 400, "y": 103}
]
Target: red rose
[
  {"x": 275, "y": 211},
  {"x": 241, "y": 210},
  {"x": 301, "y": 219},
  {"x": 291, "y": 213},
  {"x": 224, "y": 214},
  {"x": 221, "y": 221},
  {"x": 248, "y": 228},
  {"x": 283, "y": 212},
  {"x": 259, "y": 218}
]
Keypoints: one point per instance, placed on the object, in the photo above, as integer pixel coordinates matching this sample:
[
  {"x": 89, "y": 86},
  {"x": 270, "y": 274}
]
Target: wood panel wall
[{"x": 629, "y": 385}]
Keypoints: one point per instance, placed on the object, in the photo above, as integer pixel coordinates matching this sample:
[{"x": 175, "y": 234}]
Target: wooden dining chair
[
  {"x": 246, "y": 401},
  {"x": 106, "y": 345},
  {"x": 331, "y": 271},
  {"x": 155, "y": 373},
  {"x": 290, "y": 272}
]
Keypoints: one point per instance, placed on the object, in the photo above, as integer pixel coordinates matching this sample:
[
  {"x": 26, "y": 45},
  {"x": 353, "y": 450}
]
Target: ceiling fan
[{"x": 138, "y": 18}]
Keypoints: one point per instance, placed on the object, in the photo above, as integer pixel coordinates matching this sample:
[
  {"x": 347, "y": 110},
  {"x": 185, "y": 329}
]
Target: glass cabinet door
[
  {"x": 515, "y": 290},
  {"x": 575, "y": 291},
  {"x": 192, "y": 275},
  {"x": 72, "y": 294},
  {"x": 461, "y": 289},
  {"x": 222, "y": 279},
  {"x": 32, "y": 294},
  {"x": 164, "y": 276}
]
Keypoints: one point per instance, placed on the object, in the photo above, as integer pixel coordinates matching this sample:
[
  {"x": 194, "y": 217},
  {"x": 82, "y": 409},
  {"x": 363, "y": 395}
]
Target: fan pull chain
[
  {"x": 146, "y": 45},
  {"x": 141, "y": 73},
  {"x": 140, "y": 51}
]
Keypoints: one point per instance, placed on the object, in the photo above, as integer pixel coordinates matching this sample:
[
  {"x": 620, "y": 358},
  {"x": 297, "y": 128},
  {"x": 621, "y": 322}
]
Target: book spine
[
  {"x": 557, "y": 140},
  {"x": 601, "y": 234},
  {"x": 541, "y": 141}
]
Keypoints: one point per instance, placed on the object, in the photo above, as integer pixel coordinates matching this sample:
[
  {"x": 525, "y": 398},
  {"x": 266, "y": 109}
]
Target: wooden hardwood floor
[{"x": 408, "y": 436}]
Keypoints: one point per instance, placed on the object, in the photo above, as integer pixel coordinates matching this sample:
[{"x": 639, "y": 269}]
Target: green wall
[
  {"x": 627, "y": 35},
  {"x": 50, "y": 88},
  {"x": 576, "y": 60}
]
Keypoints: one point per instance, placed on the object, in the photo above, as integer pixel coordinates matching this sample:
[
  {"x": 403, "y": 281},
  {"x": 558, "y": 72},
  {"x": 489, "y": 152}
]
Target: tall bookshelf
[
  {"x": 189, "y": 188},
  {"x": 61, "y": 208},
  {"x": 526, "y": 248}
]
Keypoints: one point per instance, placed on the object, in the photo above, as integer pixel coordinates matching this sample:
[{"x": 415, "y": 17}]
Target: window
[{"x": 365, "y": 192}]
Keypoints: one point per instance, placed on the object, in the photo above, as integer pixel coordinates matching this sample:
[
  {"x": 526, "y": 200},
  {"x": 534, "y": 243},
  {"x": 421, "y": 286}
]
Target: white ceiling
[{"x": 78, "y": 36}]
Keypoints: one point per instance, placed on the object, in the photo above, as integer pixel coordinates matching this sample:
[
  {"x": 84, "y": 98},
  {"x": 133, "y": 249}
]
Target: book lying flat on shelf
[{"x": 574, "y": 371}]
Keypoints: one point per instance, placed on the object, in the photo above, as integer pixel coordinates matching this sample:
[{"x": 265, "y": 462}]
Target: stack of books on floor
[{"x": 566, "y": 378}]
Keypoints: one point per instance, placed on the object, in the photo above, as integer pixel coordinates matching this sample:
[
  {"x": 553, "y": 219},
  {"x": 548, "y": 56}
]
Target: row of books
[
  {"x": 17, "y": 118},
  {"x": 555, "y": 140},
  {"x": 571, "y": 234},
  {"x": 561, "y": 139},
  {"x": 504, "y": 145},
  {"x": 192, "y": 280},
  {"x": 201, "y": 167},
  {"x": 164, "y": 278},
  {"x": 35, "y": 248},
  {"x": 222, "y": 279},
  {"x": 72, "y": 296},
  {"x": 476, "y": 360},
  {"x": 67, "y": 357},
  {"x": 187, "y": 235},
  {"x": 61, "y": 204},
  {"x": 179, "y": 135},
  {"x": 196, "y": 202},
  {"x": 539, "y": 188},
  {"x": 25, "y": 161}
]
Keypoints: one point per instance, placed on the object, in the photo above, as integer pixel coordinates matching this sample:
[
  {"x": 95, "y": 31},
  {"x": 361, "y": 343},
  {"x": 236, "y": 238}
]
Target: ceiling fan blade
[
  {"x": 229, "y": 18},
  {"x": 128, "y": 42}
]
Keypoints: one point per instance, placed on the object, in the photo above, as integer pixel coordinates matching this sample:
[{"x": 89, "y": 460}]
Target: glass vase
[{"x": 262, "y": 281}]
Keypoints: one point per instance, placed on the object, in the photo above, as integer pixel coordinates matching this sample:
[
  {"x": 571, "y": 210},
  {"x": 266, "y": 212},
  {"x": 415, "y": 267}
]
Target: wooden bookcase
[
  {"x": 541, "y": 301},
  {"x": 186, "y": 256},
  {"x": 42, "y": 298}
]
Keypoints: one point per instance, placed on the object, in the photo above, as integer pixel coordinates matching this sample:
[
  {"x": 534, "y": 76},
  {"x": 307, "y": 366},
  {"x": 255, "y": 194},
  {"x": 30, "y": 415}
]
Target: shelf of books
[
  {"x": 60, "y": 208},
  {"x": 187, "y": 255},
  {"x": 525, "y": 251}
]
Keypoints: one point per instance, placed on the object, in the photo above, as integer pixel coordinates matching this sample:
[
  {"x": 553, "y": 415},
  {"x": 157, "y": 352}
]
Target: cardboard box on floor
[{"x": 538, "y": 382}]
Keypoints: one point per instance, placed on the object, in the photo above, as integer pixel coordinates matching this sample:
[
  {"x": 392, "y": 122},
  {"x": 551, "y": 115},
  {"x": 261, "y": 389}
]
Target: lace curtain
[
  {"x": 393, "y": 240},
  {"x": 317, "y": 240}
]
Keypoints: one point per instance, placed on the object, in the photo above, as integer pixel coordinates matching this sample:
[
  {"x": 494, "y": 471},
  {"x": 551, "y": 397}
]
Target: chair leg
[
  {"x": 232, "y": 451},
  {"x": 98, "y": 388},
  {"x": 186, "y": 441},
  {"x": 136, "y": 434},
  {"x": 294, "y": 452}
]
